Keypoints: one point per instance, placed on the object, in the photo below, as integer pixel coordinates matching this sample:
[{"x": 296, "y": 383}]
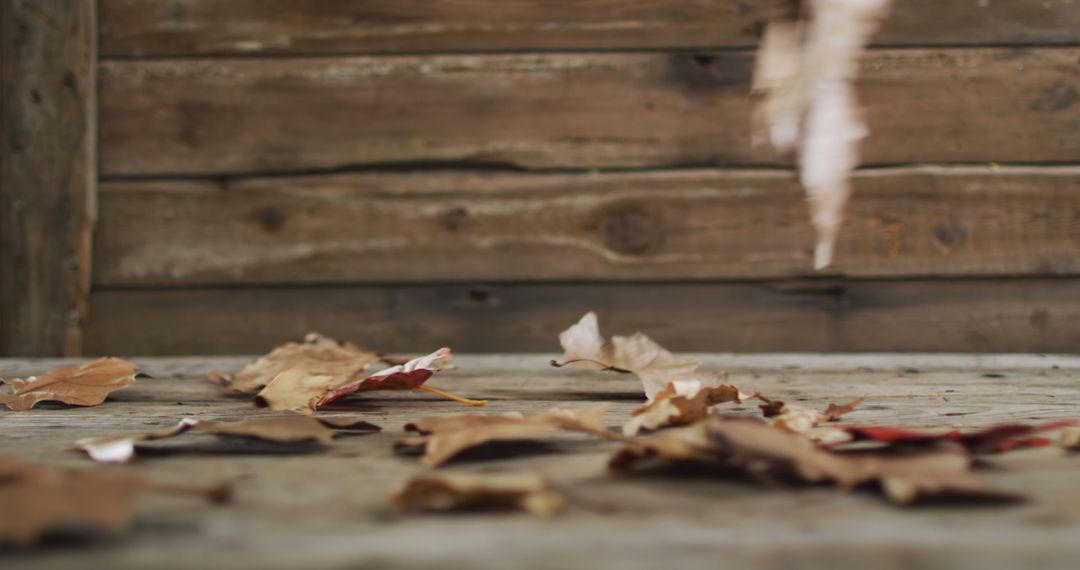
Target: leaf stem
[
  {"x": 606, "y": 367},
  {"x": 450, "y": 396}
]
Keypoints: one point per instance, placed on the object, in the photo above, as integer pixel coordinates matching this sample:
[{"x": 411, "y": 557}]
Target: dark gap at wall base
[{"x": 1014, "y": 315}]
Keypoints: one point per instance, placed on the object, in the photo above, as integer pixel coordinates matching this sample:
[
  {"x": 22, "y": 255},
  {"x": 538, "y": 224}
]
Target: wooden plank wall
[
  {"x": 479, "y": 172},
  {"x": 48, "y": 68}
]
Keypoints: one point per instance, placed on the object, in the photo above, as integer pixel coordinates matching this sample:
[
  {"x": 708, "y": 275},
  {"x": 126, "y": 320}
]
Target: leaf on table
[
  {"x": 447, "y": 436},
  {"x": 689, "y": 444},
  {"x": 86, "y": 385},
  {"x": 36, "y": 499},
  {"x": 769, "y": 453},
  {"x": 680, "y": 403},
  {"x": 996, "y": 439},
  {"x": 808, "y": 421},
  {"x": 636, "y": 354},
  {"x": 317, "y": 355},
  {"x": 294, "y": 390},
  {"x": 278, "y": 429},
  {"x": 529, "y": 492},
  {"x": 806, "y": 66},
  {"x": 298, "y": 391}
]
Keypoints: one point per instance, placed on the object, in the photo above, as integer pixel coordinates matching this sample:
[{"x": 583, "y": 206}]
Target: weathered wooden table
[{"x": 328, "y": 509}]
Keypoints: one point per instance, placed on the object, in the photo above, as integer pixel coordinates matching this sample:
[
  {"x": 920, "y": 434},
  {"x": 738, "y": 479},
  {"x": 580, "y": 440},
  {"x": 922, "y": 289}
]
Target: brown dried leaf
[
  {"x": 296, "y": 390},
  {"x": 681, "y": 444},
  {"x": 36, "y": 499},
  {"x": 807, "y": 63},
  {"x": 680, "y": 403},
  {"x": 446, "y": 436},
  {"x": 767, "y": 452},
  {"x": 808, "y": 421},
  {"x": 456, "y": 491},
  {"x": 317, "y": 355},
  {"x": 278, "y": 429},
  {"x": 86, "y": 385},
  {"x": 638, "y": 354}
]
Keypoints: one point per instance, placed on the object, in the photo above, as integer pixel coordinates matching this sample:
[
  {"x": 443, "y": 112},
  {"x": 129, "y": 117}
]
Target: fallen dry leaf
[
  {"x": 86, "y": 385},
  {"x": 37, "y": 498},
  {"x": 770, "y": 453},
  {"x": 638, "y": 354},
  {"x": 296, "y": 390},
  {"x": 279, "y": 429},
  {"x": 808, "y": 421},
  {"x": 446, "y": 436},
  {"x": 457, "y": 491},
  {"x": 408, "y": 376},
  {"x": 680, "y": 403},
  {"x": 806, "y": 67},
  {"x": 317, "y": 355},
  {"x": 995, "y": 439}
]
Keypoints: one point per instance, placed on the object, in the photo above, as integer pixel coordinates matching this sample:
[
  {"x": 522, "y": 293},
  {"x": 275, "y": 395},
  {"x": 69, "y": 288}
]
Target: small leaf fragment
[
  {"x": 86, "y": 385},
  {"x": 529, "y": 492}
]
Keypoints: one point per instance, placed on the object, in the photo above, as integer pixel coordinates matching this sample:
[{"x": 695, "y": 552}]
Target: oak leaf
[
  {"x": 446, "y": 436},
  {"x": 278, "y": 429},
  {"x": 86, "y": 385},
  {"x": 769, "y": 453},
  {"x": 457, "y": 491},
  {"x": 636, "y": 354},
  {"x": 806, "y": 66},
  {"x": 680, "y": 403},
  {"x": 317, "y": 355}
]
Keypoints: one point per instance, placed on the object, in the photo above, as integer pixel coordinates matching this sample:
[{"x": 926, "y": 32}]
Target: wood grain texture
[
  {"x": 691, "y": 224},
  {"x": 210, "y": 117},
  {"x": 47, "y": 173},
  {"x": 204, "y": 27},
  {"x": 326, "y": 509},
  {"x": 834, "y": 316}
]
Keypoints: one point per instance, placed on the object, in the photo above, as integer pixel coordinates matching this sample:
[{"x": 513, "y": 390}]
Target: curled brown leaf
[
  {"x": 447, "y": 436},
  {"x": 278, "y": 429}
]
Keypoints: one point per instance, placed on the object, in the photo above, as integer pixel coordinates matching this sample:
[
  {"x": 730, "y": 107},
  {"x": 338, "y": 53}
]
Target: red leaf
[{"x": 995, "y": 439}]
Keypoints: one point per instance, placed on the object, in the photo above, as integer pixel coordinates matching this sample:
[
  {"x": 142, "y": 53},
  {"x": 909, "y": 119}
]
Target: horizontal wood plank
[
  {"x": 933, "y": 316},
  {"x": 204, "y": 27},
  {"x": 213, "y": 117},
  {"x": 690, "y": 224}
]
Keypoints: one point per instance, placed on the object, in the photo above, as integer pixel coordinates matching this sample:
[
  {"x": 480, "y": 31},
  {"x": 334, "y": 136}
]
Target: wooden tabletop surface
[{"x": 328, "y": 508}]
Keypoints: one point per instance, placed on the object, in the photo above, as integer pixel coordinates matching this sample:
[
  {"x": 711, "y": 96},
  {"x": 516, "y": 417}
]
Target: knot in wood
[{"x": 631, "y": 229}]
